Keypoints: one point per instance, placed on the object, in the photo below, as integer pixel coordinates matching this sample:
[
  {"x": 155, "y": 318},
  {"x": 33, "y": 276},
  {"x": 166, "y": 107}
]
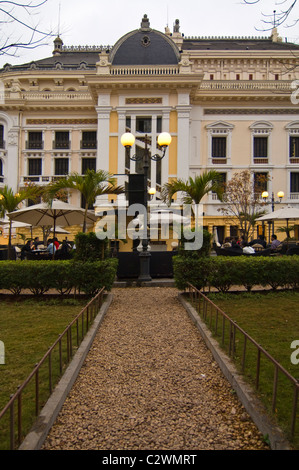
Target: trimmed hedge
[
  {"x": 62, "y": 276},
  {"x": 223, "y": 272}
]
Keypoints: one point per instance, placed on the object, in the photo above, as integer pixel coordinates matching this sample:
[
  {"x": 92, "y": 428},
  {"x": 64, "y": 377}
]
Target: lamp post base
[{"x": 144, "y": 259}]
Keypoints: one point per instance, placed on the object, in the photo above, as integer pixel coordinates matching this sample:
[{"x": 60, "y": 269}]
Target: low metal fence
[
  {"x": 223, "y": 327},
  {"x": 56, "y": 359}
]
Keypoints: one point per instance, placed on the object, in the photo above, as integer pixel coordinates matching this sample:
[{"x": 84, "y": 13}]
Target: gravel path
[{"x": 149, "y": 383}]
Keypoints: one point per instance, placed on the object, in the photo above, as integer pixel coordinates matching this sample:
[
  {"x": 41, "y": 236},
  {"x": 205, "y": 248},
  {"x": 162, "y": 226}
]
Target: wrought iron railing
[
  {"x": 224, "y": 328},
  {"x": 56, "y": 358}
]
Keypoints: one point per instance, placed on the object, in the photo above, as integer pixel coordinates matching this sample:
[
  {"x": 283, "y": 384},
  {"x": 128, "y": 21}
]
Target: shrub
[
  {"x": 89, "y": 247},
  {"x": 40, "y": 276},
  {"x": 224, "y": 272},
  {"x": 203, "y": 251},
  {"x": 191, "y": 269}
]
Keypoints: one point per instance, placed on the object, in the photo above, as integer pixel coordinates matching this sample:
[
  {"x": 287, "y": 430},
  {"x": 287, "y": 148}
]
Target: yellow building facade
[{"x": 229, "y": 104}]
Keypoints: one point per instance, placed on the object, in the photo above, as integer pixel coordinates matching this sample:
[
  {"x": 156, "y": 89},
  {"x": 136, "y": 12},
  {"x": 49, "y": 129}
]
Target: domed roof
[{"x": 145, "y": 46}]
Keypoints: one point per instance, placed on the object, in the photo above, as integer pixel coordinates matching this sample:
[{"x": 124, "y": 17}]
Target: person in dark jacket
[{"x": 27, "y": 248}]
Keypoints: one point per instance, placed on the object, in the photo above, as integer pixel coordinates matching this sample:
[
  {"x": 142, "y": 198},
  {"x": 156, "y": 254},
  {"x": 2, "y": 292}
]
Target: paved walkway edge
[
  {"x": 246, "y": 395},
  {"x": 36, "y": 437}
]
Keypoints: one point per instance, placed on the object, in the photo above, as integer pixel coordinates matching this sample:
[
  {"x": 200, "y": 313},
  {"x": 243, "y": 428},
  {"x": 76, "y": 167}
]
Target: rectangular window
[
  {"x": 2, "y": 143},
  {"x": 1, "y": 171},
  {"x": 144, "y": 124},
  {"x": 294, "y": 147},
  {"x": 34, "y": 166},
  {"x": 88, "y": 164},
  {"x": 159, "y": 125},
  {"x": 128, "y": 124},
  {"x": 61, "y": 166},
  {"x": 89, "y": 140},
  {"x": 222, "y": 183},
  {"x": 295, "y": 183},
  {"x": 159, "y": 172},
  {"x": 35, "y": 140},
  {"x": 218, "y": 147},
  {"x": 260, "y": 147},
  {"x": 260, "y": 182},
  {"x": 62, "y": 140}
]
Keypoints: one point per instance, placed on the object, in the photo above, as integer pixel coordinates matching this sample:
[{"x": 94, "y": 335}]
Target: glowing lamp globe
[
  {"x": 265, "y": 194},
  {"x": 127, "y": 139},
  {"x": 164, "y": 139}
]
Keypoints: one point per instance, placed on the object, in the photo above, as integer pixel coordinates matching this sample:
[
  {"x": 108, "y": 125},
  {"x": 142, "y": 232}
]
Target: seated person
[
  {"x": 36, "y": 243},
  {"x": 274, "y": 243},
  {"x": 235, "y": 247},
  {"x": 27, "y": 248},
  {"x": 259, "y": 241},
  {"x": 51, "y": 247},
  {"x": 227, "y": 243}
]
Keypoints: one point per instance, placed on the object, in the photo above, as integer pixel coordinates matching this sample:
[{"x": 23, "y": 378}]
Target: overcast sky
[{"x": 103, "y": 22}]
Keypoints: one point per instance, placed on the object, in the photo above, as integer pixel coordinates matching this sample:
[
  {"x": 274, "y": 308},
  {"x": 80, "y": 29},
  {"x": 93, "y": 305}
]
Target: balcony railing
[
  {"x": 294, "y": 196},
  {"x": 55, "y": 96},
  {"x": 88, "y": 145},
  {"x": 38, "y": 145},
  {"x": 61, "y": 145},
  {"x": 155, "y": 70},
  {"x": 247, "y": 85},
  {"x": 261, "y": 161},
  {"x": 219, "y": 160}
]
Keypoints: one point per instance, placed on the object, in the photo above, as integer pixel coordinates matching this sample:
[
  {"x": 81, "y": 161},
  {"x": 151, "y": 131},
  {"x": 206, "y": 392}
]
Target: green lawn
[
  {"x": 28, "y": 328},
  {"x": 272, "y": 320}
]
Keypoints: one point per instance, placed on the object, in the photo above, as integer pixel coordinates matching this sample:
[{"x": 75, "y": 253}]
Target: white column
[
  {"x": 12, "y": 162},
  {"x": 183, "y": 141},
  {"x": 121, "y": 178},
  {"x": 165, "y": 160},
  {"x": 103, "y": 110}
]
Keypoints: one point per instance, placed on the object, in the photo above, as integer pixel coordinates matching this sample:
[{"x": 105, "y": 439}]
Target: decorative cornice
[
  {"x": 61, "y": 121},
  {"x": 245, "y": 111},
  {"x": 143, "y": 100}
]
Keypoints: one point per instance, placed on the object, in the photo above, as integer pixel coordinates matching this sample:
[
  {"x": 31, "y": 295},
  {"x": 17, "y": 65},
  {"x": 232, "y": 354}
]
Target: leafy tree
[
  {"x": 242, "y": 201},
  {"x": 9, "y": 202},
  {"x": 194, "y": 189},
  {"x": 90, "y": 185}
]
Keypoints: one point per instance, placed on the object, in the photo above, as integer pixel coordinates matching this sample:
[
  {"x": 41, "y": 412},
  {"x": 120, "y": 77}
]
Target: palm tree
[
  {"x": 9, "y": 202},
  {"x": 194, "y": 189},
  {"x": 90, "y": 185}
]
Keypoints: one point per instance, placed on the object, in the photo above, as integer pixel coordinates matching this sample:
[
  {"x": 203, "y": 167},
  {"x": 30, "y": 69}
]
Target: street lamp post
[
  {"x": 265, "y": 196},
  {"x": 128, "y": 140},
  {"x": 272, "y": 201}
]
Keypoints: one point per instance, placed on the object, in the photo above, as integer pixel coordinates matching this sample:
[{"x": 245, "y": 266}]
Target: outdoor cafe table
[{"x": 39, "y": 254}]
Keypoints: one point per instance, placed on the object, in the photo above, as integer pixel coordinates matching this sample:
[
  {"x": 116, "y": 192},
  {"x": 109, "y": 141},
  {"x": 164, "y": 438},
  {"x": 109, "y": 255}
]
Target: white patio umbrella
[
  {"x": 163, "y": 217},
  {"x": 59, "y": 230},
  {"x": 286, "y": 213},
  {"x": 56, "y": 213},
  {"x": 5, "y": 223}
]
